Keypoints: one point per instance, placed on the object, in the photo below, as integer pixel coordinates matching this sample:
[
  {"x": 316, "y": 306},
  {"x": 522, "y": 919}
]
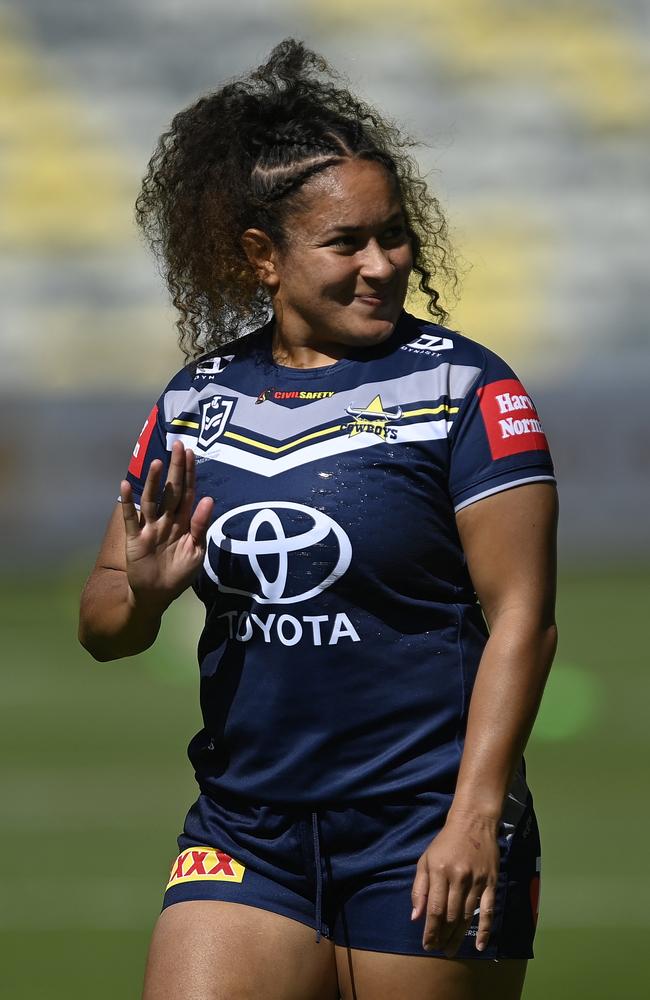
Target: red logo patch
[
  {"x": 510, "y": 418},
  {"x": 141, "y": 445}
]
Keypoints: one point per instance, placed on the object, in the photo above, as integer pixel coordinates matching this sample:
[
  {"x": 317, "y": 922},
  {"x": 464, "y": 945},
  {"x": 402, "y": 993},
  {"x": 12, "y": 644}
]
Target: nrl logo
[
  {"x": 215, "y": 414},
  {"x": 373, "y": 419}
]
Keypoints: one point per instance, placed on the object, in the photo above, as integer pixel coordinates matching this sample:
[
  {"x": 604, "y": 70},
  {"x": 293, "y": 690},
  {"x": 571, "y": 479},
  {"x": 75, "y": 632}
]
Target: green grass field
[{"x": 95, "y": 784}]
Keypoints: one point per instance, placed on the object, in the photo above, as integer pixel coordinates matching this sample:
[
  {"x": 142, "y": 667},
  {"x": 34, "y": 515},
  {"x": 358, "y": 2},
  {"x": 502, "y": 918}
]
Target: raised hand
[
  {"x": 456, "y": 876},
  {"x": 165, "y": 543}
]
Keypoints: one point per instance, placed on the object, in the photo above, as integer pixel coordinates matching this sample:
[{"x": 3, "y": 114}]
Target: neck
[{"x": 303, "y": 351}]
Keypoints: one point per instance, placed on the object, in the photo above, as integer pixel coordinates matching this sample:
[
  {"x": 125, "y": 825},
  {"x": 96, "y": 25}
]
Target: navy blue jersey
[{"x": 342, "y": 632}]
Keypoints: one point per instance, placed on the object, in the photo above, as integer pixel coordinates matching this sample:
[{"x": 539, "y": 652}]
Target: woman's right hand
[{"x": 165, "y": 543}]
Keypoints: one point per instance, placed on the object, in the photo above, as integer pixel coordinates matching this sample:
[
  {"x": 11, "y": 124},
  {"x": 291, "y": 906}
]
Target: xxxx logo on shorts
[{"x": 199, "y": 864}]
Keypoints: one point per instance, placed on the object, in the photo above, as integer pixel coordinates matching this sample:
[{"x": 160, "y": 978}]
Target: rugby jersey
[{"x": 342, "y": 632}]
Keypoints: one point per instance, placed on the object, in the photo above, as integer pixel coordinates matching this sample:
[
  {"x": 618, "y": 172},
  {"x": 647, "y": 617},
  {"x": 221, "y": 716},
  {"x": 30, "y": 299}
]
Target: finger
[
  {"x": 187, "y": 500},
  {"x": 485, "y": 918},
  {"x": 470, "y": 910},
  {"x": 419, "y": 893},
  {"x": 434, "y": 927},
  {"x": 455, "y": 917},
  {"x": 172, "y": 494},
  {"x": 201, "y": 520},
  {"x": 129, "y": 510},
  {"x": 149, "y": 501}
]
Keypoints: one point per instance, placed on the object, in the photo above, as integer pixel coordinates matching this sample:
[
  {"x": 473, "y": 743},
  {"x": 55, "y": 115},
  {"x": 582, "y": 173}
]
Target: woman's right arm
[{"x": 147, "y": 558}]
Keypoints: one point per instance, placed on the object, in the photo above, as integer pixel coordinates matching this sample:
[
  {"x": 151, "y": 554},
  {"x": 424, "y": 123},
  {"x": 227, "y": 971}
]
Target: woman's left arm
[{"x": 509, "y": 542}]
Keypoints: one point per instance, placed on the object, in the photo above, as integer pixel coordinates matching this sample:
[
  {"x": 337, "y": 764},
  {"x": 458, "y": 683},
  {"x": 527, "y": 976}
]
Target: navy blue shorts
[{"x": 348, "y": 872}]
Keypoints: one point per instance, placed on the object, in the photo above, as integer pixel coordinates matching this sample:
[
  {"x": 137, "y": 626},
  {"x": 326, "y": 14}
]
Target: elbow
[{"x": 93, "y": 644}]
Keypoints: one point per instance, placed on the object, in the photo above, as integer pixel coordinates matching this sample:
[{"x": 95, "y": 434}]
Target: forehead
[{"x": 353, "y": 193}]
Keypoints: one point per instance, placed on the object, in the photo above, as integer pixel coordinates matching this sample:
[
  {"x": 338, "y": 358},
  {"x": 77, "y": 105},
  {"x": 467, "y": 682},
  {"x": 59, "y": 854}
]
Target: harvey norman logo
[{"x": 511, "y": 421}]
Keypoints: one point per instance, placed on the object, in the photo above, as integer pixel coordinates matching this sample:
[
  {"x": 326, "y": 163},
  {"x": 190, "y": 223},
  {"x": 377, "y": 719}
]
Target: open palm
[{"x": 165, "y": 542}]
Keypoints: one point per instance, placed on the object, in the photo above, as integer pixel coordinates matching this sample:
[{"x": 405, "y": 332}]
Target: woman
[{"x": 339, "y": 486}]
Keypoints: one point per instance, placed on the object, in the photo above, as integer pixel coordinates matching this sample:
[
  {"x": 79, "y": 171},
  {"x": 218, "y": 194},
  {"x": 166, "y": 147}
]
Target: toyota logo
[{"x": 270, "y": 550}]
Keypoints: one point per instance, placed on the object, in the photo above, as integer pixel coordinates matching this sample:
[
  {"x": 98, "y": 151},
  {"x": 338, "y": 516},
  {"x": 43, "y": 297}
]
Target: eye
[
  {"x": 395, "y": 235},
  {"x": 343, "y": 241}
]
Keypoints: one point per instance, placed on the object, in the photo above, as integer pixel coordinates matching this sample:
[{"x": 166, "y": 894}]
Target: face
[{"x": 343, "y": 273}]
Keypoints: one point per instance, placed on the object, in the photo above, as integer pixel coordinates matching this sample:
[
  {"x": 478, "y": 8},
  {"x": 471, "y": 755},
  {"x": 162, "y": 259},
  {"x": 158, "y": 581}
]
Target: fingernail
[
  {"x": 480, "y": 945},
  {"x": 413, "y": 913}
]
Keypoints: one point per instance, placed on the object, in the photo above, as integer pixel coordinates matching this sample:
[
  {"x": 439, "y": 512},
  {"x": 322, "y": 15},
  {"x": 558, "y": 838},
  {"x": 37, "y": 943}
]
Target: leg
[
  {"x": 370, "y": 975},
  {"x": 215, "y": 950}
]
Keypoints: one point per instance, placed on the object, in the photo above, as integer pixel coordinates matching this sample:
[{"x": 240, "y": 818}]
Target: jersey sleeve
[
  {"x": 151, "y": 444},
  {"x": 497, "y": 440}
]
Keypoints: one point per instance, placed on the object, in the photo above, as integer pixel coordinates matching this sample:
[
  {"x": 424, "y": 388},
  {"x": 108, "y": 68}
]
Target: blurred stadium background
[{"x": 535, "y": 117}]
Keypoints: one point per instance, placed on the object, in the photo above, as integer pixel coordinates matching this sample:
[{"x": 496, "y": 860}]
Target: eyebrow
[{"x": 395, "y": 217}]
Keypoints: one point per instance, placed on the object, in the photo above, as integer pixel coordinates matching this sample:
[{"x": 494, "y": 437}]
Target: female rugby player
[{"x": 364, "y": 502}]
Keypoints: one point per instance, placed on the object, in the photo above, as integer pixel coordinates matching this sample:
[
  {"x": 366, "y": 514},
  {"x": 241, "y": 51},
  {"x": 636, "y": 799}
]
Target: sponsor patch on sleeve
[
  {"x": 141, "y": 445},
  {"x": 201, "y": 864},
  {"x": 510, "y": 418}
]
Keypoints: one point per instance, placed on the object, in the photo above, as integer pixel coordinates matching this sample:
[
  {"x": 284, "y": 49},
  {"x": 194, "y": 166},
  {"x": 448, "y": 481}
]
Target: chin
[{"x": 373, "y": 331}]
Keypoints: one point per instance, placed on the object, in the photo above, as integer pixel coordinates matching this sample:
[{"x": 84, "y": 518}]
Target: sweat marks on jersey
[
  {"x": 373, "y": 419},
  {"x": 205, "y": 864},
  {"x": 510, "y": 418}
]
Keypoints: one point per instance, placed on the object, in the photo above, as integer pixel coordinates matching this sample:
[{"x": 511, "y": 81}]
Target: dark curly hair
[{"x": 235, "y": 158}]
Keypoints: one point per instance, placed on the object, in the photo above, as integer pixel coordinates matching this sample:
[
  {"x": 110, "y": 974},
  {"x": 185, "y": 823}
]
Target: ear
[{"x": 261, "y": 254}]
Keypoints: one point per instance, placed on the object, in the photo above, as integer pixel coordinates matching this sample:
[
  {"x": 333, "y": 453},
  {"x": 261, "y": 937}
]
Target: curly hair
[{"x": 237, "y": 158}]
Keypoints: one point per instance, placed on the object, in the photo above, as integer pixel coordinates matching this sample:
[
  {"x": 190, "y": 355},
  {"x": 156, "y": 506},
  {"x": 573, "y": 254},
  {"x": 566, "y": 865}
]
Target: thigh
[
  {"x": 368, "y": 975},
  {"x": 215, "y": 950}
]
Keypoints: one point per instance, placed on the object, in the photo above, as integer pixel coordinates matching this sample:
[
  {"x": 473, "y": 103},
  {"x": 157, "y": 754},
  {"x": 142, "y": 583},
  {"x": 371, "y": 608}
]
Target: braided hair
[{"x": 237, "y": 158}]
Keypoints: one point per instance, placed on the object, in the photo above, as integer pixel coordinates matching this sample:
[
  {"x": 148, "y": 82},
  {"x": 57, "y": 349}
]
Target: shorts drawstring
[{"x": 319, "y": 876}]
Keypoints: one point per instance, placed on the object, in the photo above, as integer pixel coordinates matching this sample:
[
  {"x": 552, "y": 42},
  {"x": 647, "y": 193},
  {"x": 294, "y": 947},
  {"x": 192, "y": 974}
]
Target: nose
[{"x": 376, "y": 263}]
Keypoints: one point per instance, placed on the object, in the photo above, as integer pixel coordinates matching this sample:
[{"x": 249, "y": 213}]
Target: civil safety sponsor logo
[
  {"x": 511, "y": 421},
  {"x": 215, "y": 414},
  {"x": 280, "y": 394},
  {"x": 207, "y": 369},
  {"x": 373, "y": 419},
  {"x": 428, "y": 343},
  {"x": 277, "y": 552},
  {"x": 141, "y": 445},
  {"x": 205, "y": 864}
]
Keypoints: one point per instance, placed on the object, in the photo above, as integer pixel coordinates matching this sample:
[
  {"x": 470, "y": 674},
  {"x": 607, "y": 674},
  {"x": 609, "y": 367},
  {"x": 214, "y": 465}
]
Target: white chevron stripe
[{"x": 226, "y": 454}]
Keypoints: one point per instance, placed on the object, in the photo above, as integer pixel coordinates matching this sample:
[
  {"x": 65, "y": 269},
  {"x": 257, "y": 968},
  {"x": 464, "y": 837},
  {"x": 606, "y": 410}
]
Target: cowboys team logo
[
  {"x": 277, "y": 552},
  {"x": 215, "y": 414},
  {"x": 373, "y": 419}
]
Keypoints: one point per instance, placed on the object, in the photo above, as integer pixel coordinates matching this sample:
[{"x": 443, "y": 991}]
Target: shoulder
[
  {"x": 423, "y": 336},
  {"x": 203, "y": 370}
]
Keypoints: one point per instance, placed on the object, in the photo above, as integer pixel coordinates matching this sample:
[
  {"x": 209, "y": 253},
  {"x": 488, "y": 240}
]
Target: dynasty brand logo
[
  {"x": 279, "y": 394},
  {"x": 373, "y": 419},
  {"x": 210, "y": 367},
  {"x": 201, "y": 864},
  {"x": 428, "y": 342},
  {"x": 215, "y": 414}
]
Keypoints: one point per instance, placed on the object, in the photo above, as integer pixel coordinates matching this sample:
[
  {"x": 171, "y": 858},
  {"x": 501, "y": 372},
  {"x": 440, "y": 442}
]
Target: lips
[{"x": 372, "y": 298}]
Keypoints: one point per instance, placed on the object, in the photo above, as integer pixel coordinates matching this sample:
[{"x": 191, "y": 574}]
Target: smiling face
[{"x": 341, "y": 278}]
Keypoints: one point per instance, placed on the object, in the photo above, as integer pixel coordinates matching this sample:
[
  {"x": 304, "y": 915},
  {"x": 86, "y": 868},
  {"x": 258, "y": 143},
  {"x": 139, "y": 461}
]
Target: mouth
[{"x": 373, "y": 298}]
